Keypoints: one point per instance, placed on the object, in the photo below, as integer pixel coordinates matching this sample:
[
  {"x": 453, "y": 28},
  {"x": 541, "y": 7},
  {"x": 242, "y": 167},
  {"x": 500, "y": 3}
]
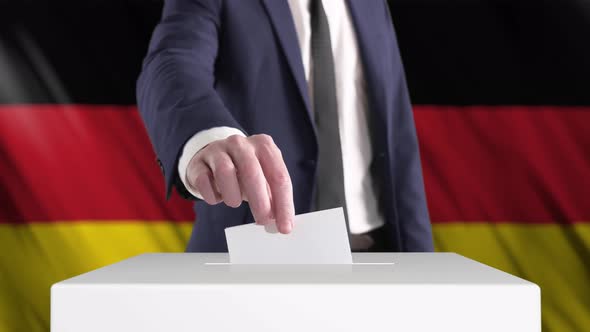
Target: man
[{"x": 261, "y": 109}]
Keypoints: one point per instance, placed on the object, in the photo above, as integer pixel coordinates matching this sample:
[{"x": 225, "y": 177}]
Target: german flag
[{"x": 502, "y": 108}]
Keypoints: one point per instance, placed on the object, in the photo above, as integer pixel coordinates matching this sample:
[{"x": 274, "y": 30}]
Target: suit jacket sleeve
[
  {"x": 410, "y": 197},
  {"x": 175, "y": 90}
]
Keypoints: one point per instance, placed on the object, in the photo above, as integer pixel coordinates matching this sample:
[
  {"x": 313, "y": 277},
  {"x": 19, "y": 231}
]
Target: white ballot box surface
[{"x": 379, "y": 292}]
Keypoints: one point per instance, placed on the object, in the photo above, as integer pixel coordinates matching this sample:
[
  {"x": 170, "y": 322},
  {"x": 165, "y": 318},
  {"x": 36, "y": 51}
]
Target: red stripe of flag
[
  {"x": 80, "y": 162},
  {"x": 506, "y": 163},
  {"x": 485, "y": 163}
]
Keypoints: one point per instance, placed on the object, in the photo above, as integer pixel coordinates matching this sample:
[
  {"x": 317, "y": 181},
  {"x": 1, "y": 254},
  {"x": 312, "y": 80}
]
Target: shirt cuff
[{"x": 195, "y": 144}]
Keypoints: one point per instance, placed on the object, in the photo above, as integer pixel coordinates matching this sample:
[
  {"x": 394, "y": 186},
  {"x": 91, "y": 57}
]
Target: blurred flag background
[{"x": 502, "y": 105}]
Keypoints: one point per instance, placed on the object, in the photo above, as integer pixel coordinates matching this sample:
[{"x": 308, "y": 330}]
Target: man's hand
[{"x": 245, "y": 168}]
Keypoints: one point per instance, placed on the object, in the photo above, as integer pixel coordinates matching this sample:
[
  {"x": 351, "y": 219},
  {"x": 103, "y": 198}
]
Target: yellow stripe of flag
[
  {"x": 34, "y": 256},
  {"x": 554, "y": 256}
]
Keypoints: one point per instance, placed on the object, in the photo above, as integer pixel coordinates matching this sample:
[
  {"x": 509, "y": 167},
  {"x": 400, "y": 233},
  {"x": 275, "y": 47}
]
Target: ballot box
[{"x": 379, "y": 292}]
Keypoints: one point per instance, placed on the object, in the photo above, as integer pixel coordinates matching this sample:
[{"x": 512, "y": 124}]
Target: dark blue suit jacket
[{"x": 237, "y": 63}]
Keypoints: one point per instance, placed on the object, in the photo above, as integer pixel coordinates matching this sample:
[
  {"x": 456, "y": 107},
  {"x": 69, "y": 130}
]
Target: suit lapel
[
  {"x": 365, "y": 15},
  {"x": 370, "y": 41},
  {"x": 284, "y": 27}
]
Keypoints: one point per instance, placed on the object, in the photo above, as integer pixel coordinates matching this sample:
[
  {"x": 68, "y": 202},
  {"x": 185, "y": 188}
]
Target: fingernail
[{"x": 289, "y": 227}]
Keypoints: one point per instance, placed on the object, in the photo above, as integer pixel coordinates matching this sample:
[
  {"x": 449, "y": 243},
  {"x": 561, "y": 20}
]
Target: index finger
[
  {"x": 251, "y": 179},
  {"x": 279, "y": 181}
]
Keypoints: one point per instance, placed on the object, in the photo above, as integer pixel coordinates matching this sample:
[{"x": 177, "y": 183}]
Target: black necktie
[{"x": 330, "y": 178}]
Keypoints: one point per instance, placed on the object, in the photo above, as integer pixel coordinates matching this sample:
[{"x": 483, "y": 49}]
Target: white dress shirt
[{"x": 361, "y": 200}]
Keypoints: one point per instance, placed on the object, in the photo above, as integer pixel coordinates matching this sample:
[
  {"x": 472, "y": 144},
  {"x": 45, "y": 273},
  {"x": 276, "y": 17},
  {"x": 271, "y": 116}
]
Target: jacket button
[
  {"x": 161, "y": 166},
  {"x": 309, "y": 163}
]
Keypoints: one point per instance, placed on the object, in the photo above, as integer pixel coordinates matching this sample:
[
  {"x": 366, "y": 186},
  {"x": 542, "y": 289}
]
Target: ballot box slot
[{"x": 359, "y": 263}]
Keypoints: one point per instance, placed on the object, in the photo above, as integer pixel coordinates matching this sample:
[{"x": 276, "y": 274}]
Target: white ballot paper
[{"x": 317, "y": 238}]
